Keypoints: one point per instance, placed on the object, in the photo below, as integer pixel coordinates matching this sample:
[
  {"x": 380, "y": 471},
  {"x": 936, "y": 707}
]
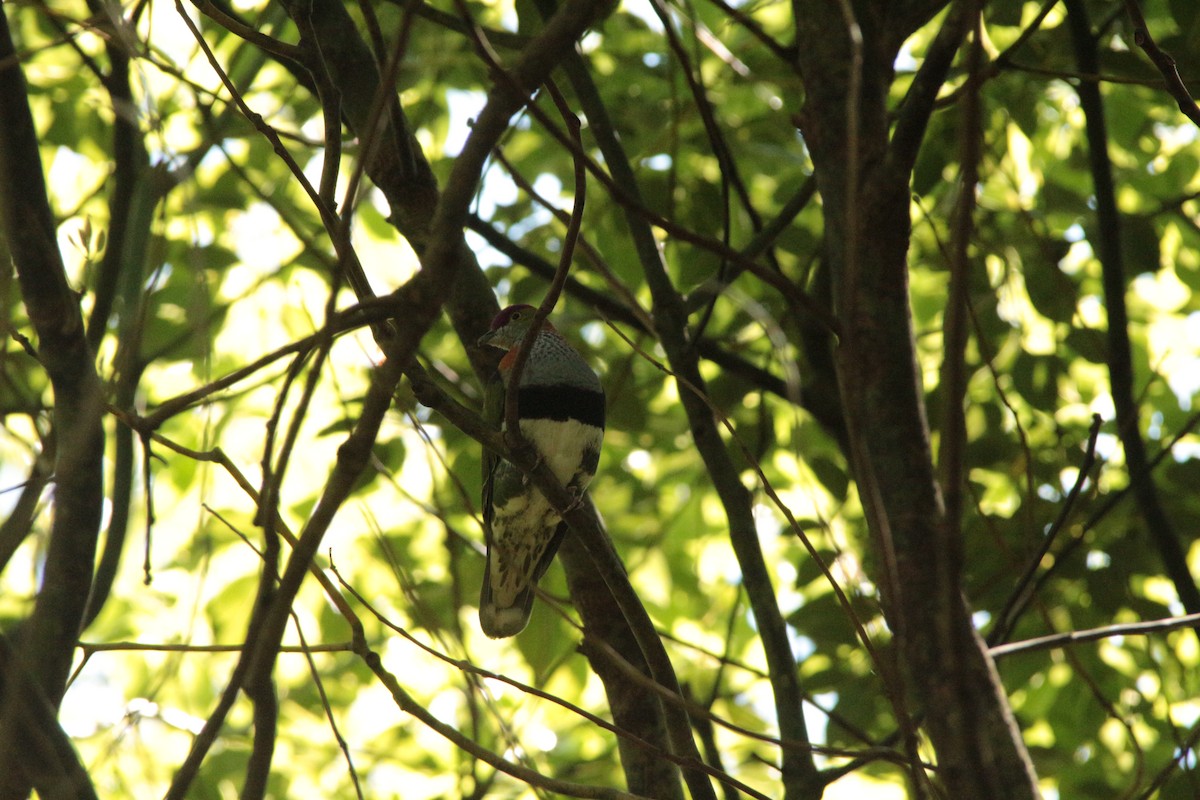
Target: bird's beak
[{"x": 486, "y": 339}]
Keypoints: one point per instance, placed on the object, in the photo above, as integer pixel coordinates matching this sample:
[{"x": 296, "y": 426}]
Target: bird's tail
[
  {"x": 500, "y": 622},
  {"x": 501, "y": 618}
]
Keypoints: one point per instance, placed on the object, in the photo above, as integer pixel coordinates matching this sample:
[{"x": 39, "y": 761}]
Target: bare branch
[
  {"x": 1120, "y": 349},
  {"x": 1059, "y": 640},
  {"x": 42, "y": 652},
  {"x": 670, "y": 318},
  {"x": 1026, "y": 587},
  {"x": 512, "y": 425},
  {"x": 956, "y": 318},
  {"x": 1163, "y": 61}
]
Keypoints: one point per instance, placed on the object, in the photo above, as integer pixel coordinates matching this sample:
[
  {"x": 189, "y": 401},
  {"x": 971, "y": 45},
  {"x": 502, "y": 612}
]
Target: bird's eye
[{"x": 515, "y": 316}]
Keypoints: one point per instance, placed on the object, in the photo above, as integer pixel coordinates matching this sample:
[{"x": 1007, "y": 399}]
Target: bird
[{"x": 560, "y": 408}]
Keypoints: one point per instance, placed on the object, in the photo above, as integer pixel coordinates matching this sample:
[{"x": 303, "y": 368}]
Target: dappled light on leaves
[{"x": 887, "y": 390}]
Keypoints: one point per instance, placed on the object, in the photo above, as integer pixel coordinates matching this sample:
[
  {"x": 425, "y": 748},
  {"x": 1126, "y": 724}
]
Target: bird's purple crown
[{"x": 505, "y": 316}]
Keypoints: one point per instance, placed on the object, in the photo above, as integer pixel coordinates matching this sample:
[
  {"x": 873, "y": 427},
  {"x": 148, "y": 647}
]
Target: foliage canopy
[{"x": 924, "y": 308}]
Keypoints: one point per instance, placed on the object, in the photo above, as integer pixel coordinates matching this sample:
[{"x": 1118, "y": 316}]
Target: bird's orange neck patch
[
  {"x": 510, "y": 356},
  {"x": 509, "y": 359}
]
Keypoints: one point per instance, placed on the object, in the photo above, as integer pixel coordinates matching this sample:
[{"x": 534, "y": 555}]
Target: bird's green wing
[{"x": 493, "y": 415}]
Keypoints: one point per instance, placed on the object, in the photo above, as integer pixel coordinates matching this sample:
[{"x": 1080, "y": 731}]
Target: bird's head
[{"x": 510, "y": 326}]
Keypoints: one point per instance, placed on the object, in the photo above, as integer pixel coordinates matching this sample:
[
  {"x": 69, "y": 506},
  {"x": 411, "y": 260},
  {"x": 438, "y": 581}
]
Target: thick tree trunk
[{"x": 863, "y": 172}]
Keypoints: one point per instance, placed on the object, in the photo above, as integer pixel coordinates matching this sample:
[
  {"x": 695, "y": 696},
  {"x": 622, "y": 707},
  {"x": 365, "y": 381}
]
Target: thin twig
[
  {"x": 346, "y": 320},
  {"x": 782, "y": 52},
  {"x": 90, "y": 648},
  {"x": 626, "y": 195},
  {"x": 532, "y": 778},
  {"x": 333, "y": 726},
  {"x": 472, "y": 669},
  {"x": 1058, "y": 640},
  {"x": 598, "y": 547},
  {"x": 278, "y": 49},
  {"x": 1023, "y": 592},
  {"x": 1163, "y": 61},
  {"x": 1111, "y": 254},
  {"x": 955, "y": 325},
  {"x": 511, "y": 410}
]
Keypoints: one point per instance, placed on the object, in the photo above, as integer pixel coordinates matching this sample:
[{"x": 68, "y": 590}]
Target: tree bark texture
[
  {"x": 37, "y": 657},
  {"x": 863, "y": 169},
  {"x": 635, "y": 709}
]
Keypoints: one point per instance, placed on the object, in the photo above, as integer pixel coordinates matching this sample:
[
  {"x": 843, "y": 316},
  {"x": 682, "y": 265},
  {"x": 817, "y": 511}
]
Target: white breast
[{"x": 562, "y": 444}]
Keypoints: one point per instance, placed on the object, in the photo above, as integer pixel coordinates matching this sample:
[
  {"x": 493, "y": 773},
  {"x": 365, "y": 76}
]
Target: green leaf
[
  {"x": 1139, "y": 246},
  {"x": 1052, "y": 292}
]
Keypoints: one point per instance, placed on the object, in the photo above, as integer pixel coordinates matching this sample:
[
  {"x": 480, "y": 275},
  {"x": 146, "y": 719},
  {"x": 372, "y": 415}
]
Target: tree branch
[
  {"x": 417, "y": 303},
  {"x": 47, "y": 753},
  {"x": 47, "y": 638},
  {"x": 1163, "y": 61},
  {"x": 867, "y": 226},
  {"x": 671, "y": 322},
  {"x": 634, "y": 708},
  {"x": 604, "y": 559},
  {"x": 1120, "y": 359},
  {"x": 955, "y": 321},
  {"x": 1025, "y": 587},
  {"x": 407, "y": 703},
  {"x": 628, "y": 736},
  {"x": 913, "y": 116},
  {"x": 19, "y": 522},
  {"x": 1059, "y": 640}
]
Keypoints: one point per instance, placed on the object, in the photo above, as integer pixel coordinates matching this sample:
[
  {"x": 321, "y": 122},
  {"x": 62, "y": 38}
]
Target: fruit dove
[{"x": 560, "y": 405}]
